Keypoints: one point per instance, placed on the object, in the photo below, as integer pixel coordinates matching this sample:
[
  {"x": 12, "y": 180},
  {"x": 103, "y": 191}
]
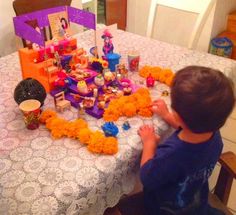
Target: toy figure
[
  {"x": 99, "y": 80},
  {"x": 108, "y": 45},
  {"x": 165, "y": 93},
  {"x": 150, "y": 81},
  {"x": 126, "y": 126},
  {"x": 110, "y": 129},
  {"x": 82, "y": 87}
]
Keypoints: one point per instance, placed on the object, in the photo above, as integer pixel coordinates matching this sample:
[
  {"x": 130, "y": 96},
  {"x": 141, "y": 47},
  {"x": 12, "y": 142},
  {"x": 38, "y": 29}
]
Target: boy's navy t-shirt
[{"x": 176, "y": 180}]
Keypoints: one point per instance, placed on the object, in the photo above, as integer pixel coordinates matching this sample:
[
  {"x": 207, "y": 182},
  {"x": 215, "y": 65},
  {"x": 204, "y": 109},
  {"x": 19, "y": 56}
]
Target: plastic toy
[
  {"x": 150, "y": 81},
  {"x": 126, "y": 126},
  {"x": 165, "y": 93},
  {"x": 99, "y": 80},
  {"x": 108, "y": 45},
  {"x": 82, "y": 87},
  {"x": 110, "y": 129},
  {"x": 60, "y": 102}
]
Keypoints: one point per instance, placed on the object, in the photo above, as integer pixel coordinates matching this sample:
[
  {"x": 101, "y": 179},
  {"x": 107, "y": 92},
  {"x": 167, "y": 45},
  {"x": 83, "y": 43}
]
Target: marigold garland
[
  {"x": 129, "y": 106},
  {"x": 78, "y": 129},
  {"x": 163, "y": 75}
]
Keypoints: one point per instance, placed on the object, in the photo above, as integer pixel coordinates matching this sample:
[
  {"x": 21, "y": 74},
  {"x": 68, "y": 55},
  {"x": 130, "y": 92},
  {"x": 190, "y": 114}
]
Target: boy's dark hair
[{"x": 203, "y": 98}]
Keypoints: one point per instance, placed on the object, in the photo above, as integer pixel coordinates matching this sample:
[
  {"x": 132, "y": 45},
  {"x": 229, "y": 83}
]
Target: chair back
[
  {"x": 26, "y": 6},
  {"x": 170, "y": 8},
  {"x": 59, "y": 97}
]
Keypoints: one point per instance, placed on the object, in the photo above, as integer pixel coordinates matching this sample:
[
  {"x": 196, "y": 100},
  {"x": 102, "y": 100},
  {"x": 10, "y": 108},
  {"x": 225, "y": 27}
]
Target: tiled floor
[{"x": 228, "y": 133}]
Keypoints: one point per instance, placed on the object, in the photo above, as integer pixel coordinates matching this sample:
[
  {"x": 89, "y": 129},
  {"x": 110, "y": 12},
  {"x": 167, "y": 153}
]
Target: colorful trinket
[
  {"x": 110, "y": 129},
  {"x": 150, "y": 81}
]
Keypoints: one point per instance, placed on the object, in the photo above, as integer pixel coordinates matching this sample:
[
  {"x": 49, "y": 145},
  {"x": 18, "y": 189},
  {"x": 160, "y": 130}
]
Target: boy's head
[{"x": 202, "y": 97}]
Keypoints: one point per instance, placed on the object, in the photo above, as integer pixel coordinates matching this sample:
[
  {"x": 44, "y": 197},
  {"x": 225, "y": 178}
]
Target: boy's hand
[
  {"x": 150, "y": 141},
  {"x": 160, "y": 108},
  {"x": 148, "y": 136}
]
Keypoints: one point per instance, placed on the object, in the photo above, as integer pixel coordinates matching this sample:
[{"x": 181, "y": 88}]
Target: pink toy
[{"x": 150, "y": 81}]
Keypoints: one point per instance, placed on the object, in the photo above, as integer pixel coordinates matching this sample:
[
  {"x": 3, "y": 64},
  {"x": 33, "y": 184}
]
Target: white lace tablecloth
[{"x": 40, "y": 175}]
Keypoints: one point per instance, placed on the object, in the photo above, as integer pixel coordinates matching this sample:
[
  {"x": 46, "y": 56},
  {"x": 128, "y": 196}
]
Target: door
[{"x": 116, "y": 12}]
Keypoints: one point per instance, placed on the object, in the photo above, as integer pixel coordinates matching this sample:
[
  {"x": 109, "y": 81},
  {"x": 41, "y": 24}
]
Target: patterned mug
[
  {"x": 31, "y": 111},
  {"x": 133, "y": 61}
]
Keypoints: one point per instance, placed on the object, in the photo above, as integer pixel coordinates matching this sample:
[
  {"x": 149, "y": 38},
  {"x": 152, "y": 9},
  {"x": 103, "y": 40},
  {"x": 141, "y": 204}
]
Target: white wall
[
  {"x": 137, "y": 16},
  {"x": 8, "y": 41}
]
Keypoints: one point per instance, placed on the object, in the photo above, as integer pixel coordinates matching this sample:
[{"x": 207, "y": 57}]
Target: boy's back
[{"x": 176, "y": 179}]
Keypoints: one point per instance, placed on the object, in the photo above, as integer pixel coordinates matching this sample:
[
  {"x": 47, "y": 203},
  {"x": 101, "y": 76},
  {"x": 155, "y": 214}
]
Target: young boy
[{"x": 175, "y": 174}]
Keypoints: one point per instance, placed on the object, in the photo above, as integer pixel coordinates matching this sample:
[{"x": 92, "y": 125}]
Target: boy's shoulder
[{"x": 174, "y": 146}]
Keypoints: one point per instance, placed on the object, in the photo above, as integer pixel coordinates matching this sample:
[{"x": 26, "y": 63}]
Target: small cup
[
  {"x": 31, "y": 111},
  {"x": 133, "y": 61}
]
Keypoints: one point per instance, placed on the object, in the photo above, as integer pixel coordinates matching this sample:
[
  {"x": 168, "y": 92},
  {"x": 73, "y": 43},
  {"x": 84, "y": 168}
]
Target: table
[{"x": 39, "y": 174}]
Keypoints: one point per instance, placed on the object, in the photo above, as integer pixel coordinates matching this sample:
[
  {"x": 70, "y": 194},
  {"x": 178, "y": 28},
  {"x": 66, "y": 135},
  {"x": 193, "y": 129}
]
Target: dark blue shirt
[{"x": 176, "y": 180}]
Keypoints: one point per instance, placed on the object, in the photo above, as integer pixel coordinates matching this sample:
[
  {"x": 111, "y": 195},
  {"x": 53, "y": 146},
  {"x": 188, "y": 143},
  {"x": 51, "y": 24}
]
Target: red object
[{"x": 150, "y": 81}]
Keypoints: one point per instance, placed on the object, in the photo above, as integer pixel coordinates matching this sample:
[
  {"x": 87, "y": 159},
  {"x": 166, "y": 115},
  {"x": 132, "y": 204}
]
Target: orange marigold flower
[
  {"x": 129, "y": 110},
  {"x": 110, "y": 146},
  {"x": 47, "y": 114},
  {"x": 84, "y": 135}
]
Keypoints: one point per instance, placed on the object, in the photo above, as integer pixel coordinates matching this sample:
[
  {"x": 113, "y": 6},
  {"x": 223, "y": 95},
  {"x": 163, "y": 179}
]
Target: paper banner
[{"x": 26, "y": 32}]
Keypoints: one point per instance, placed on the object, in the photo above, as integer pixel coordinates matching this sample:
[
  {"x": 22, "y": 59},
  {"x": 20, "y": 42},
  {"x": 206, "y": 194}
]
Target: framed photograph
[{"x": 59, "y": 24}]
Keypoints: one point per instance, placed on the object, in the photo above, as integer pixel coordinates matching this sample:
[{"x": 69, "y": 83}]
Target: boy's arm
[
  {"x": 169, "y": 118},
  {"x": 149, "y": 149},
  {"x": 160, "y": 108}
]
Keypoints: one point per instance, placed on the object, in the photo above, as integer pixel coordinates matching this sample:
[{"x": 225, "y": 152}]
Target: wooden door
[{"x": 116, "y": 12}]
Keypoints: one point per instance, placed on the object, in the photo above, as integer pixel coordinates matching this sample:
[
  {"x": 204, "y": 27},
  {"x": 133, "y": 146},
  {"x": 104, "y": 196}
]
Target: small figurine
[
  {"x": 110, "y": 129},
  {"x": 95, "y": 92},
  {"x": 121, "y": 69},
  {"x": 88, "y": 102},
  {"x": 127, "y": 90},
  {"x": 150, "y": 81},
  {"x": 101, "y": 104},
  {"x": 109, "y": 76},
  {"x": 165, "y": 93},
  {"x": 99, "y": 80},
  {"x": 82, "y": 87},
  {"x": 126, "y": 126},
  {"x": 108, "y": 45},
  {"x": 81, "y": 111}
]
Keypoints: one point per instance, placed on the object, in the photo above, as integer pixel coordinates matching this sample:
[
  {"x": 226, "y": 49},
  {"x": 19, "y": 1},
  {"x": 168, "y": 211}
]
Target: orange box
[
  {"x": 231, "y": 24},
  {"x": 44, "y": 71}
]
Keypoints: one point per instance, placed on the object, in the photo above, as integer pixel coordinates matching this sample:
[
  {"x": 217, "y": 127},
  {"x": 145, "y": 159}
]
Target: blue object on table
[
  {"x": 65, "y": 60},
  {"x": 126, "y": 126},
  {"x": 113, "y": 59},
  {"x": 221, "y": 46},
  {"x": 110, "y": 129}
]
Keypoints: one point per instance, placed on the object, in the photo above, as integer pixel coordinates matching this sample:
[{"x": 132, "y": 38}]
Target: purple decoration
[
  {"x": 82, "y": 17},
  {"x": 23, "y": 30}
]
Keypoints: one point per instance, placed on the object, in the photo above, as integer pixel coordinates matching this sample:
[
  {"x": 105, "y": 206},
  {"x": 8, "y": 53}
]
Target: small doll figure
[{"x": 108, "y": 45}]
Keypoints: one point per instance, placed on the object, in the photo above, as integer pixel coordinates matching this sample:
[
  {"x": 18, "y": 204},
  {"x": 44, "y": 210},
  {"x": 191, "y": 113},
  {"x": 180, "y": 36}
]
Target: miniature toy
[
  {"x": 60, "y": 102},
  {"x": 99, "y": 80},
  {"x": 121, "y": 69},
  {"x": 126, "y": 126},
  {"x": 127, "y": 90},
  {"x": 109, "y": 76},
  {"x": 82, "y": 87},
  {"x": 165, "y": 93},
  {"x": 110, "y": 129},
  {"x": 88, "y": 102},
  {"x": 108, "y": 45},
  {"x": 101, "y": 104},
  {"x": 150, "y": 81}
]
